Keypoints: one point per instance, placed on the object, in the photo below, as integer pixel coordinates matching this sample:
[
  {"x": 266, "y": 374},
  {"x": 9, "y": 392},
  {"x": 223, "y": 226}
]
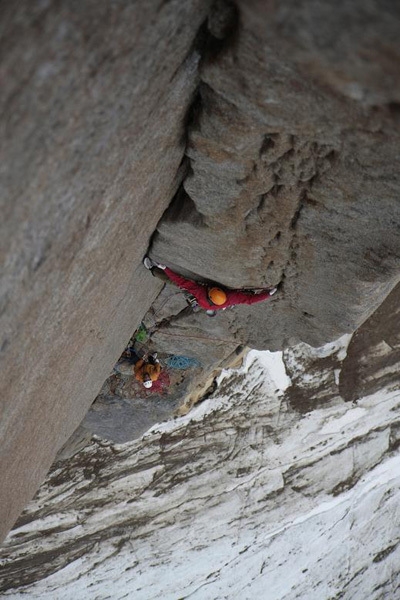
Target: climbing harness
[{"x": 191, "y": 300}]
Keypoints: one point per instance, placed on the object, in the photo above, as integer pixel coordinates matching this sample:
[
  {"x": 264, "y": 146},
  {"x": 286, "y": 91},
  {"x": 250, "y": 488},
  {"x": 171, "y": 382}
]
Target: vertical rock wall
[
  {"x": 93, "y": 103},
  {"x": 294, "y": 168}
]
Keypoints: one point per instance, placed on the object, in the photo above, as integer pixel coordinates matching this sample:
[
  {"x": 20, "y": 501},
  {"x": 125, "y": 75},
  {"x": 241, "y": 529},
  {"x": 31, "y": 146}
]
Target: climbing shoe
[{"x": 148, "y": 263}]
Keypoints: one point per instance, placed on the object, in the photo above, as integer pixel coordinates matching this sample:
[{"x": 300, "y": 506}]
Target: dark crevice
[
  {"x": 331, "y": 156},
  {"x": 390, "y": 109},
  {"x": 192, "y": 117},
  {"x": 311, "y": 201},
  {"x": 394, "y": 107},
  {"x": 267, "y": 143},
  {"x": 276, "y": 189},
  {"x": 297, "y": 213},
  {"x": 261, "y": 203},
  {"x": 223, "y": 28},
  {"x": 183, "y": 210},
  {"x": 209, "y": 392},
  {"x": 384, "y": 553},
  {"x": 216, "y": 33}
]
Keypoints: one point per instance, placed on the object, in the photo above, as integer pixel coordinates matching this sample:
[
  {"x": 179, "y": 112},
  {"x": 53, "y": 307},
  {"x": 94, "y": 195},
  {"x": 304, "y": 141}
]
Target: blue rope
[{"x": 182, "y": 362}]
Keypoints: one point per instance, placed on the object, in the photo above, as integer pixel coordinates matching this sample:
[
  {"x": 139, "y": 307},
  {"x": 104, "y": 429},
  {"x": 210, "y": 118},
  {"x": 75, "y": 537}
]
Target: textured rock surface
[
  {"x": 93, "y": 104},
  {"x": 378, "y": 342},
  {"x": 291, "y": 172},
  {"x": 251, "y": 492},
  {"x": 294, "y": 168},
  {"x": 124, "y": 410}
]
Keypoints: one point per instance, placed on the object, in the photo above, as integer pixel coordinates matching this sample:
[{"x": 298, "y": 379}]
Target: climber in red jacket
[{"x": 209, "y": 297}]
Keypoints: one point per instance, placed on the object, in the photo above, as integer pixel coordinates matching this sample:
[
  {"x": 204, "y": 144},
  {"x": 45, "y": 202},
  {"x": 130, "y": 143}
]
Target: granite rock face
[
  {"x": 293, "y": 168},
  {"x": 93, "y": 104},
  {"x": 259, "y": 139}
]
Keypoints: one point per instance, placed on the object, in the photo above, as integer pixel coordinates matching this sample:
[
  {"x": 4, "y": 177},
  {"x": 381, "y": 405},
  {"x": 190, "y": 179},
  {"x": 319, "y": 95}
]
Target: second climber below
[
  {"x": 208, "y": 296},
  {"x": 147, "y": 370}
]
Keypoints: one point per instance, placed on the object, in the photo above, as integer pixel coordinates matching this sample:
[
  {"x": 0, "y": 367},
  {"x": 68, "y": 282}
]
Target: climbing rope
[{"x": 182, "y": 362}]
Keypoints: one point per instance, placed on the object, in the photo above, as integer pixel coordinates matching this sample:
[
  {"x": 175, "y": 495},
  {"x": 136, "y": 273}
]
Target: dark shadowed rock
[{"x": 373, "y": 355}]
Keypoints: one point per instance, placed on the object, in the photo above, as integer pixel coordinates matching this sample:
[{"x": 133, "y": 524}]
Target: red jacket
[{"x": 200, "y": 292}]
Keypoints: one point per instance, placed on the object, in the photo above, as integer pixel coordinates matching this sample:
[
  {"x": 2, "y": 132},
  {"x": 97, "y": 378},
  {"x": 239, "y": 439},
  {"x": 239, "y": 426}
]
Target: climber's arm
[
  {"x": 247, "y": 298},
  {"x": 185, "y": 284}
]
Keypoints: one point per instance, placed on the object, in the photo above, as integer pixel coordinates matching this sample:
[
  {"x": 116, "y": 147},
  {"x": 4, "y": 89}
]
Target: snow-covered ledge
[{"x": 245, "y": 497}]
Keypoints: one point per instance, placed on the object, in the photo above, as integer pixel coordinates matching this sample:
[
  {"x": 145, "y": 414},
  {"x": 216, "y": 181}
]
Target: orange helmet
[{"x": 217, "y": 296}]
